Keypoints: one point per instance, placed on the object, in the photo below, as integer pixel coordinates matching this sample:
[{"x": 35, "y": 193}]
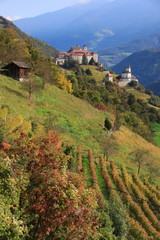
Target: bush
[
  {"x": 88, "y": 72},
  {"x": 107, "y": 124},
  {"x": 100, "y": 106},
  {"x": 92, "y": 96}
]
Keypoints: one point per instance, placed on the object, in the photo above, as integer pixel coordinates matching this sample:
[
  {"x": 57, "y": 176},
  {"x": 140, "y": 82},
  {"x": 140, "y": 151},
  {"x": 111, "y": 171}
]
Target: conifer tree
[
  {"x": 92, "y": 61},
  {"x": 85, "y": 60}
]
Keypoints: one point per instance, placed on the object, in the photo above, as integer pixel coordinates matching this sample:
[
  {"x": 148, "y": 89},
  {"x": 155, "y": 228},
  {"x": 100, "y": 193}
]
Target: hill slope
[
  {"x": 135, "y": 200},
  {"x": 45, "y": 48},
  {"x": 74, "y": 119},
  {"x": 119, "y": 203}
]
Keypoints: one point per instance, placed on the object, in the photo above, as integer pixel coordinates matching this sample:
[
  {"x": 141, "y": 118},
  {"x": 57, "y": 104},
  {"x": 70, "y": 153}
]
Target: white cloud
[
  {"x": 83, "y": 1},
  {"x": 13, "y": 18},
  {"x": 86, "y": 1}
]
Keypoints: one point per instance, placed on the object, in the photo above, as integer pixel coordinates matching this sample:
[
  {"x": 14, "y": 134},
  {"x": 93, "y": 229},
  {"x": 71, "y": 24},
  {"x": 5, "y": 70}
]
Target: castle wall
[
  {"x": 89, "y": 58},
  {"x": 126, "y": 75},
  {"x": 77, "y": 58},
  {"x": 95, "y": 57},
  {"x": 60, "y": 62}
]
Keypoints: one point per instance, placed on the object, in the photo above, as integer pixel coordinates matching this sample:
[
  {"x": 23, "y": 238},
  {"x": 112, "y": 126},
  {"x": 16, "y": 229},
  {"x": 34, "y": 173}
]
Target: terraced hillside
[{"x": 139, "y": 200}]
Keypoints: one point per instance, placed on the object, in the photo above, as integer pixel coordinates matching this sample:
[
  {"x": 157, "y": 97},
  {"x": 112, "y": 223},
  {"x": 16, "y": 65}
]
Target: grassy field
[
  {"x": 156, "y": 131},
  {"x": 76, "y": 120},
  {"x": 137, "y": 94},
  {"x": 99, "y": 76},
  {"x": 140, "y": 95},
  {"x": 127, "y": 141}
]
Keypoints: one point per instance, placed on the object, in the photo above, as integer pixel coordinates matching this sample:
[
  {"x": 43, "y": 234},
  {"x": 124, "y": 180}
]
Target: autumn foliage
[{"x": 59, "y": 206}]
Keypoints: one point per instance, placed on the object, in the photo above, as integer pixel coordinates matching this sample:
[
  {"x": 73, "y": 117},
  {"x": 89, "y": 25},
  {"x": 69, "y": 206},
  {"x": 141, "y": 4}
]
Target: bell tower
[{"x": 85, "y": 47}]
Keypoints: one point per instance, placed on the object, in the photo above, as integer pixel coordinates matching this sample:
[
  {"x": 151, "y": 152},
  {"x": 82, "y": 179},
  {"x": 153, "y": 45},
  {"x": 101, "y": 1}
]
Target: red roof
[
  {"x": 108, "y": 74},
  {"x": 78, "y": 53}
]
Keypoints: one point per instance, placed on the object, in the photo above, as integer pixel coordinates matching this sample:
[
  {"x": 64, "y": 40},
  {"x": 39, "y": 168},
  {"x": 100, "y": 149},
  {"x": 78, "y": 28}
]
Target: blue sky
[{"x": 14, "y": 9}]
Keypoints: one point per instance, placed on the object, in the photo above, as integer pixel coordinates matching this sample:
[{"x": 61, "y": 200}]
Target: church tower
[
  {"x": 85, "y": 47},
  {"x": 128, "y": 69},
  {"x": 127, "y": 75}
]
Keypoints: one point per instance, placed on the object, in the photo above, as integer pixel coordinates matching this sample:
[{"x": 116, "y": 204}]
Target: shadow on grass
[{"x": 10, "y": 90}]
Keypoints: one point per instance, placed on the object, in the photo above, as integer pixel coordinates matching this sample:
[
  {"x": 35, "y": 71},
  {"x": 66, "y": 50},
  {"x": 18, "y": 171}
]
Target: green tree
[
  {"x": 74, "y": 81},
  {"x": 32, "y": 85},
  {"x": 85, "y": 60},
  {"x": 92, "y": 61},
  {"x": 107, "y": 124},
  {"x": 109, "y": 146},
  {"x": 41, "y": 66},
  {"x": 88, "y": 72},
  {"x": 70, "y": 63},
  {"x": 118, "y": 213},
  {"x": 92, "y": 96},
  {"x": 13, "y": 180},
  {"x": 12, "y": 47},
  {"x": 131, "y": 99}
]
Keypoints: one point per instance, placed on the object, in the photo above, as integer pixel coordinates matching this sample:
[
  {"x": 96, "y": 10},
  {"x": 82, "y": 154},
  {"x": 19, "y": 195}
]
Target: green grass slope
[
  {"x": 156, "y": 131},
  {"x": 127, "y": 142},
  {"x": 76, "y": 120},
  {"x": 98, "y": 76}
]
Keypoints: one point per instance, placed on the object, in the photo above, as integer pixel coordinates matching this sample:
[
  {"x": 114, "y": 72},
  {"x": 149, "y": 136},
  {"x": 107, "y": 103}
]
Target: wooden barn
[{"x": 17, "y": 70}]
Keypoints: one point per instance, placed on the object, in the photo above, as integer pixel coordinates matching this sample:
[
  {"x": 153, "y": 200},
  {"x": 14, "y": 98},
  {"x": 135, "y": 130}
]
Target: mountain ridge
[{"x": 93, "y": 23}]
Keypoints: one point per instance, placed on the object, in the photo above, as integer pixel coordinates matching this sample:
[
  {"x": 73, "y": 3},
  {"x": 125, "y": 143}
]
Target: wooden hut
[{"x": 17, "y": 70}]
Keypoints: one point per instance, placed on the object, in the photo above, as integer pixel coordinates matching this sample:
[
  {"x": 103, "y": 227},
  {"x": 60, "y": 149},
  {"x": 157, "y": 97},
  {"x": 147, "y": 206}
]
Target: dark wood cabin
[{"x": 17, "y": 70}]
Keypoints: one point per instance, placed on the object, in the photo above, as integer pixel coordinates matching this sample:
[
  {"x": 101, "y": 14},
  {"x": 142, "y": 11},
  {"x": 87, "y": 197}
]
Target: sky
[{"x": 16, "y": 9}]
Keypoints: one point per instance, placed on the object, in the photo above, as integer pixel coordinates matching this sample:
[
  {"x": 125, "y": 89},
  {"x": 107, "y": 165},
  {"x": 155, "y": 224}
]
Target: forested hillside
[{"x": 45, "y": 48}]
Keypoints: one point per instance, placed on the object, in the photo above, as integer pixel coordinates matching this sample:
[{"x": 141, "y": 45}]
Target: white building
[
  {"x": 109, "y": 77},
  {"x": 127, "y": 77}
]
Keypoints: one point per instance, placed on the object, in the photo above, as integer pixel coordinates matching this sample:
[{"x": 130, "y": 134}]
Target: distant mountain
[
  {"x": 45, "y": 48},
  {"x": 99, "y": 24},
  {"x": 112, "y": 56},
  {"x": 155, "y": 87},
  {"x": 145, "y": 66}
]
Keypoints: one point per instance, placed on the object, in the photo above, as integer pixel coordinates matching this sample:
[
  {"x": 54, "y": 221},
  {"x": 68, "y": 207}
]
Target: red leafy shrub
[{"x": 59, "y": 206}]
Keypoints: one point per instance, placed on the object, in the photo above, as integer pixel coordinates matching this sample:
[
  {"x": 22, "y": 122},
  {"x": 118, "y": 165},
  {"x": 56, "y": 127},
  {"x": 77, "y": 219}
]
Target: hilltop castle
[{"x": 77, "y": 54}]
